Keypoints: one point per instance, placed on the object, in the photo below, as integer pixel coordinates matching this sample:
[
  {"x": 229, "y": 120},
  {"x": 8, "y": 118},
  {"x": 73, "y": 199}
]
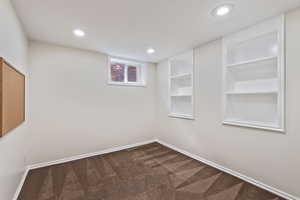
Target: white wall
[
  {"x": 269, "y": 157},
  {"x": 73, "y": 110},
  {"x": 13, "y": 48}
]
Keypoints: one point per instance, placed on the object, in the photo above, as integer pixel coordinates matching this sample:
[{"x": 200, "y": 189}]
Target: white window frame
[{"x": 141, "y": 72}]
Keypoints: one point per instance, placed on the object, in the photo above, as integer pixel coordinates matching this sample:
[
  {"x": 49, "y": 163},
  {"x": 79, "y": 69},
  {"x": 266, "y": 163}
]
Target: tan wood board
[{"x": 12, "y": 98}]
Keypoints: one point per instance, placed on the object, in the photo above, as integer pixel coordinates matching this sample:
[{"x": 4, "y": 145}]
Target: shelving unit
[
  {"x": 181, "y": 86},
  {"x": 253, "y": 77}
]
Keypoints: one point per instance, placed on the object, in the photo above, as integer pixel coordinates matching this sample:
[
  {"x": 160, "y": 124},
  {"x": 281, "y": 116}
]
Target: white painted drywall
[
  {"x": 269, "y": 157},
  {"x": 128, "y": 27},
  {"x": 74, "y": 111},
  {"x": 13, "y": 48}
]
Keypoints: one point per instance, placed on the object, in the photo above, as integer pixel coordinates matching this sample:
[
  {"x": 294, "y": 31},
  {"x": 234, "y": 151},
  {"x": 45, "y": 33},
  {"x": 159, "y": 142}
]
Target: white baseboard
[
  {"x": 19, "y": 188},
  {"x": 232, "y": 172},
  {"x": 224, "y": 169},
  {"x": 72, "y": 158}
]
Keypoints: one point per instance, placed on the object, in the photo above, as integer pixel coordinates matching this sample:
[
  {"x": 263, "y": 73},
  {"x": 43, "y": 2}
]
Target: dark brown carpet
[{"x": 149, "y": 172}]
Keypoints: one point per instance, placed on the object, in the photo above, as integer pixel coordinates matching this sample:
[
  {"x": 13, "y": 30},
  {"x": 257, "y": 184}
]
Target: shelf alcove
[
  {"x": 253, "y": 76},
  {"x": 181, "y": 86}
]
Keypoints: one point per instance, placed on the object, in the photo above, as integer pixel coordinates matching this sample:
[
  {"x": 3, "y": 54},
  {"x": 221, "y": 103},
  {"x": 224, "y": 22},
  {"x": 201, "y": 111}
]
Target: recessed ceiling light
[
  {"x": 79, "y": 33},
  {"x": 150, "y": 51},
  {"x": 222, "y": 10}
]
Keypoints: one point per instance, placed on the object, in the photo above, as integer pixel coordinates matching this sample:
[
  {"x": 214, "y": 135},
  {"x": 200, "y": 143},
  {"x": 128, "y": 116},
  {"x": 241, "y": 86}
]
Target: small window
[
  {"x": 123, "y": 72},
  {"x": 132, "y": 73},
  {"x": 117, "y": 72}
]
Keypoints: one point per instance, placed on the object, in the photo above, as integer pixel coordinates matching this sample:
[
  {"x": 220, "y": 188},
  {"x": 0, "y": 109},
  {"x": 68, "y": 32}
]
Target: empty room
[{"x": 149, "y": 100}]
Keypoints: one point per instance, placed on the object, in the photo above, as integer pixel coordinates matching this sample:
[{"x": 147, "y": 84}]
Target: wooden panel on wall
[{"x": 12, "y": 97}]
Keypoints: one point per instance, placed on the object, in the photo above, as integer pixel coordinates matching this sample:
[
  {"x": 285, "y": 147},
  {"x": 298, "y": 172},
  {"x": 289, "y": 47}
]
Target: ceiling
[{"x": 126, "y": 28}]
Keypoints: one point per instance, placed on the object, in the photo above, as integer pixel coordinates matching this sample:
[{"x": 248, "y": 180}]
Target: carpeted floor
[{"x": 149, "y": 172}]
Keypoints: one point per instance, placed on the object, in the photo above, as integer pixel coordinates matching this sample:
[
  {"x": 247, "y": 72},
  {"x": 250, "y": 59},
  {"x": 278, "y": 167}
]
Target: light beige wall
[
  {"x": 74, "y": 111},
  {"x": 13, "y": 48},
  {"x": 269, "y": 157}
]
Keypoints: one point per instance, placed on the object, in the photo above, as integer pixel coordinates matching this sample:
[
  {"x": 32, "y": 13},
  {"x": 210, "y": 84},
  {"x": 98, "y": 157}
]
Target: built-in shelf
[
  {"x": 252, "y": 61},
  {"x": 182, "y": 91},
  {"x": 181, "y": 86},
  {"x": 185, "y": 75},
  {"x": 251, "y": 92},
  {"x": 253, "y": 77},
  {"x": 178, "y": 115},
  {"x": 254, "y": 124},
  {"x": 181, "y": 95}
]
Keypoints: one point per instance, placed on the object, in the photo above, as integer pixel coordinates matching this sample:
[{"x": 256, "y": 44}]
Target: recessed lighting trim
[
  {"x": 79, "y": 33},
  {"x": 222, "y": 10},
  {"x": 150, "y": 51}
]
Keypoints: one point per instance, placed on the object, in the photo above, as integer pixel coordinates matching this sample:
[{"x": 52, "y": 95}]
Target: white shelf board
[
  {"x": 181, "y": 95},
  {"x": 183, "y": 116},
  {"x": 253, "y": 124},
  {"x": 252, "y": 61},
  {"x": 185, "y": 88},
  {"x": 181, "y": 75},
  {"x": 252, "y": 92}
]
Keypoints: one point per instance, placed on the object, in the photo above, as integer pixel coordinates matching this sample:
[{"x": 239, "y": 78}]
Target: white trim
[
  {"x": 181, "y": 116},
  {"x": 19, "y": 188},
  {"x": 72, "y": 158},
  {"x": 127, "y": 84},
  {"x": 181, "y": 95},
  {"x": 114, "y": 149},
  {"x": 248, "y": 124},
  {"x": 282, "y": 72},
  {"x": 232, "y": 172},
  {"x": 253, "y": 61},
  {"x": 181, "y": 75}
]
